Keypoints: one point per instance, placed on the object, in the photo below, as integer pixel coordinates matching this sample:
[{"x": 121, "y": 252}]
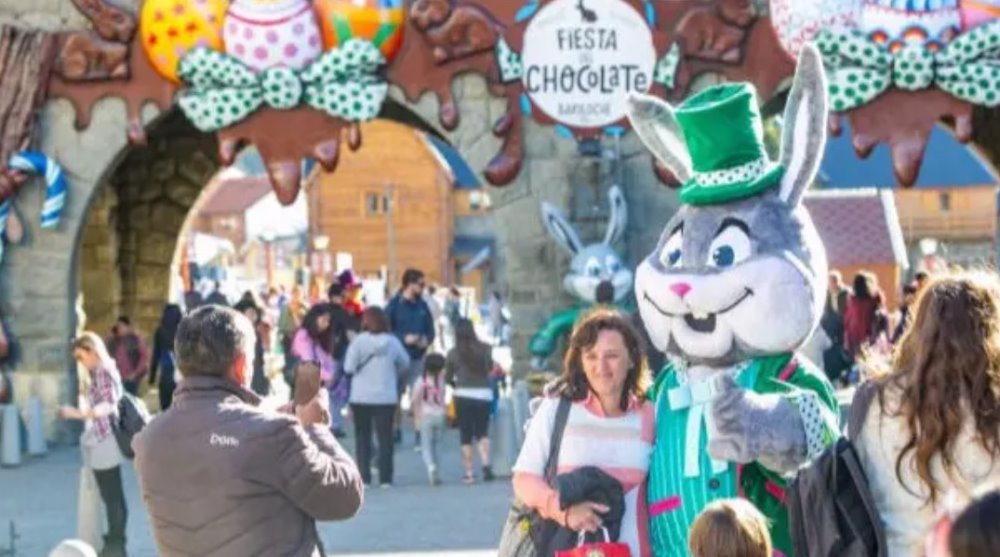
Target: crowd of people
[
  {"x": 369, "y": 361},
  {"x": 929, "y": 445},
  {"x": 856, "y": 323}
]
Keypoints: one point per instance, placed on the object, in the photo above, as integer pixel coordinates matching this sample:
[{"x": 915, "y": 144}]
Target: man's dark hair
[
  {"x": 605, "y": 293},
  {"x": 124, "y": 320},
  {"x": 411, "y": 276},
  {"x": 921, "y": 276},
  {"x": 209, "y": 340},
  {"x": 336, "y": 290}
]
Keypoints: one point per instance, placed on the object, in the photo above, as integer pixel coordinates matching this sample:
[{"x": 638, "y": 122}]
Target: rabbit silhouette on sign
[
  {"x": 734, "y": 287},
  {"x": 595, "y": 269}
]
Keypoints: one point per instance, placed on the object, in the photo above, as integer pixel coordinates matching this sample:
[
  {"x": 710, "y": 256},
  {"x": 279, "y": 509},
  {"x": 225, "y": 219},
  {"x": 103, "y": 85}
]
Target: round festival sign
[{"x": 581, "y": 58}]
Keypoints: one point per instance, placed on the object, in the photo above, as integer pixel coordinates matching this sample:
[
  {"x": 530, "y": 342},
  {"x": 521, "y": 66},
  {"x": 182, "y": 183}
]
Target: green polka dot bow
[
  {"x": 223, "y": 91},
  {"x": 859, "y": 70}
]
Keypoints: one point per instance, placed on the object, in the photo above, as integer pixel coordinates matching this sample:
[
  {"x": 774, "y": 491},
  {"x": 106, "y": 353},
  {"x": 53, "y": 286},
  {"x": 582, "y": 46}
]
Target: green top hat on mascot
[{"x": 735, "y": 285}]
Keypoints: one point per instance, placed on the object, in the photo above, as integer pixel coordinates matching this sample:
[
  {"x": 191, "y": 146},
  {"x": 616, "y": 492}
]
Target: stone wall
[{"x": 38, "y": 284}]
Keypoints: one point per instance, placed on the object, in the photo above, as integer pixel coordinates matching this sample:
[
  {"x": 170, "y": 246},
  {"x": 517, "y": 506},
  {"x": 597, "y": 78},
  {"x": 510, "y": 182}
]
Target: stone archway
[{"x": 130, "y": 235}]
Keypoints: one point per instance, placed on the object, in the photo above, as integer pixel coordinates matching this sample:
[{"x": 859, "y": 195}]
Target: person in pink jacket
[{"x": 314, "y": 342}]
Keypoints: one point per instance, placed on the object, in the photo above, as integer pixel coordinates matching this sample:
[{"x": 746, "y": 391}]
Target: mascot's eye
[
  {"x": 671, "y": 254},
  {"x": 593, "y": 268},
  {"x": 614, "y": 265},
  {"x": 730, "y": 247}
]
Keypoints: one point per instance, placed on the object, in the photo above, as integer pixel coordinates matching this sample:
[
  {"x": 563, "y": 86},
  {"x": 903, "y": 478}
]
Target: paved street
[{"x": 411, "y": 519}]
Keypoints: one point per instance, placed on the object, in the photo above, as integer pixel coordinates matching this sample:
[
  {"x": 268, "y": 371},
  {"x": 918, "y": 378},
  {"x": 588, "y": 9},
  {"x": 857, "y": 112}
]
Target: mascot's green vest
[{"x": 676, "y": 498}]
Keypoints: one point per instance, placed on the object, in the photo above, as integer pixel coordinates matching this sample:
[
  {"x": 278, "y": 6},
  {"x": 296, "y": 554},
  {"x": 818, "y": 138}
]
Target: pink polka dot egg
[{"x": 272, "y": 33}]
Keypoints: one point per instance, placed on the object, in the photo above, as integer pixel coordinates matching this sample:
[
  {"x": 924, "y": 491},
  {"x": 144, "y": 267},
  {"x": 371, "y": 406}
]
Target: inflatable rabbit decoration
[
  {"x": 734, "y": 287},
  {"x": 594, "y": 268}
]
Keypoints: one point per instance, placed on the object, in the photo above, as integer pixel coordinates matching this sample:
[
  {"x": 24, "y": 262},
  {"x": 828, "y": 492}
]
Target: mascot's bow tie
[{"x": 697, "y": 396}]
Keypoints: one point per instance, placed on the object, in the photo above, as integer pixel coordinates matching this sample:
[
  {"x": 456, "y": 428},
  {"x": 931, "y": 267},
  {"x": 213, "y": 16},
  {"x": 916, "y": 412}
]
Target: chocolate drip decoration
[
  {"x": 285, "y": 137},
  {"x": 903, "y": 120},
  {"x": 143, "y": 86},
  {"x": 443, "y": 39}
]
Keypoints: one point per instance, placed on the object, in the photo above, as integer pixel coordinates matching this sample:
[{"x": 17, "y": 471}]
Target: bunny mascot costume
[
  {"x": 592, "y": 266},
  {"x": 735, "y": 285}
]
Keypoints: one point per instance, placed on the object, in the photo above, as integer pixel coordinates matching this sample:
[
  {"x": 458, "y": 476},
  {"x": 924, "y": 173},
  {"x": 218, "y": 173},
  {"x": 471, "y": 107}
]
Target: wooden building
[
  {"x": 223, "y": 211},
  {"x": 396, "y": 205}
]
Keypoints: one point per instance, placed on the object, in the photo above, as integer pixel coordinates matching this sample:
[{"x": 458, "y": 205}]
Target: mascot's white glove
[{"x": 745, "y": 426}]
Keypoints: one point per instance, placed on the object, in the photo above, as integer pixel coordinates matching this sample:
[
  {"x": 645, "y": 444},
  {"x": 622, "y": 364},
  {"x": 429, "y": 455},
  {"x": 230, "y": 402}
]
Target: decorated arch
[{"x": 519, "y": 87}]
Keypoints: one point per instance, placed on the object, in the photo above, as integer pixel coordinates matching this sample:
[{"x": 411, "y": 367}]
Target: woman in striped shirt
[{"x": 610, "y": 427}]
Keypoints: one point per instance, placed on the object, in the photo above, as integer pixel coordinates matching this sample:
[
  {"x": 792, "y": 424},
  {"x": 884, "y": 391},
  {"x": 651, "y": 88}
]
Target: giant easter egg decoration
[
  {"x": 977, "y": 12},
  {"x": 379, "y": 21},
  {"x": 798, "y": 21},
  {"x": 170, "y": 28},
  {"x": 928, "y": 23},
  {"x": 272, "y": 33}
]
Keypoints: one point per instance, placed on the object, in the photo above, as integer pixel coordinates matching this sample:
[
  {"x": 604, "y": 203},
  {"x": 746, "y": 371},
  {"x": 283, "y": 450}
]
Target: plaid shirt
[{"x": 104, "y": 388}]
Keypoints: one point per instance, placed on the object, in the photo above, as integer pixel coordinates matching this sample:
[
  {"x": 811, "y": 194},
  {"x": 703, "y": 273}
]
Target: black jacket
[{"x": 596, "y": 486}]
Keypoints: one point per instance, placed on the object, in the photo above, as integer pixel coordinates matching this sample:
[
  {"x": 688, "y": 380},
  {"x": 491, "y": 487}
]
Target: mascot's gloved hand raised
[{"x": 736, "y": 284}]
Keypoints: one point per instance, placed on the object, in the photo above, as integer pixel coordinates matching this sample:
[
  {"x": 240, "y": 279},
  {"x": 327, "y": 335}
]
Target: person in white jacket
[
  {"x": 376, "y": 362},
  {"x": 934, "y": 425}
]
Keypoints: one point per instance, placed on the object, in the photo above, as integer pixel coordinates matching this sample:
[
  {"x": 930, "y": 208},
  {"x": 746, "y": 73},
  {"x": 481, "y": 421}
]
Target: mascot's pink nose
[{"x": 680, "y": 288}]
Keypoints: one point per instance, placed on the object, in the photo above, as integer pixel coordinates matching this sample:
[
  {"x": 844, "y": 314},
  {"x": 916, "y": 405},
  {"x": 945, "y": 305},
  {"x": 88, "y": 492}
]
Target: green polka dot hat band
[{"x": 725, "y": 138}]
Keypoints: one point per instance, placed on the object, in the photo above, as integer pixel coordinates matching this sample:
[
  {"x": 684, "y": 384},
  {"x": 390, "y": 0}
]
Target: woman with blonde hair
[
  {"x": 609, "y": 428},
  {"x": 934, "y": 425},
  {"x": 98, "y": 409}
]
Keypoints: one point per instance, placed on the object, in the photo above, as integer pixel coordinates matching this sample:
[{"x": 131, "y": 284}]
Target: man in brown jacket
[{"x": 223, "y": 477}]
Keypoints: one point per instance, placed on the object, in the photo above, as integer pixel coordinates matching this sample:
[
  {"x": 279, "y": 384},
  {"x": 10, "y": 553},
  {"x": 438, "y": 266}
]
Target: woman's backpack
[
  {"x": 831, "y": 511},
  {"x": 131, "y": 419},
  {"x": 526, "y": 533}
]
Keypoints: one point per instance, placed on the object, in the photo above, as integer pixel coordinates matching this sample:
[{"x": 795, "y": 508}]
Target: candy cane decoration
[{"x": 33, "y": 162}]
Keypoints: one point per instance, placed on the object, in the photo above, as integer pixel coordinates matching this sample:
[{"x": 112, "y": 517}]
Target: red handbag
[{"x": 598, "y": 549}]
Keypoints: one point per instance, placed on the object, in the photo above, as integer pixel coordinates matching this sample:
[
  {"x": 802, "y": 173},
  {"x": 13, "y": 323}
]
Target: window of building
[
  {"x": 377, "y": 203},
  {"x": 944, "y": 201}
]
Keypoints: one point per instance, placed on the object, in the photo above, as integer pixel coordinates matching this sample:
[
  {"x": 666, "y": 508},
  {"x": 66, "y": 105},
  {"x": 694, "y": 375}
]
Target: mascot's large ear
[
  {"x": 653, "y": 119},
  {"x": 619, "y": 216},
  {"x": 803, "y": 137},
  {"x": 560, "y": 229}
]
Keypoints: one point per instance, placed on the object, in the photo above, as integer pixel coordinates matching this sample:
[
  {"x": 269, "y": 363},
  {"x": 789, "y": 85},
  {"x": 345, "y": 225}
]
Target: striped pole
[{"x": 33, "y": 162}]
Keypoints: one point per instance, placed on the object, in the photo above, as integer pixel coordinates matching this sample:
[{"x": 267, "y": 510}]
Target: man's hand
[
  {"x": 316, "y": 411},
  {"x": 411, "y": 340}
]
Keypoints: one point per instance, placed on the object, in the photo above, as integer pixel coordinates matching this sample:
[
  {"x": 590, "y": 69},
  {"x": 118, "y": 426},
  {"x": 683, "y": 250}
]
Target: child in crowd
[
  {"x": 429, "y": 411},
  {"x": 730, "y": 528}
]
